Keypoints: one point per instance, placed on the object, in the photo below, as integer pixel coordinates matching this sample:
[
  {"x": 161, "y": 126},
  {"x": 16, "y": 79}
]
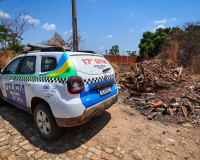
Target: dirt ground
[{"x": 119, "y": 133}]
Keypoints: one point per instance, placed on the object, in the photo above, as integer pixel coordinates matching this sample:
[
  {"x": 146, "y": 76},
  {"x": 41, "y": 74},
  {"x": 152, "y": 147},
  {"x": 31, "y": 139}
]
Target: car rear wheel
[
  {"x": 2, "y": 102},
  {"x": 45, "y": 122}
]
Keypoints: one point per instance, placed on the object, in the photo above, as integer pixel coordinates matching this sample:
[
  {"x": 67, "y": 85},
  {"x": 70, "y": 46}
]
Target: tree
[
  {"x": 58, "y": 41},
  {"x": 114, "y": 50},
  {"x": 12, "y": 31},
  {"x": 151, "y": 42},
  {"x": 3, "y": 36},
  {"x": 182, "y": 47},
  {"x": 131, "y": 53}
]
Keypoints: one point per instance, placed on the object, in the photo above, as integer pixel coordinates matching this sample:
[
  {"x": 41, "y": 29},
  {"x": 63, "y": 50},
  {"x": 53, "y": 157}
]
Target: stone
[
  {"x": 117, "y": 154},
  {"x": 58, "y": 158},
  {"x": 79, "y": 157},
  {"x": 95, "y": 157},
  {"x": 81, "y": 151},
  {"x": 30, "y": 153},
  {"x": 4, "y": 147},
  {"x": 4, "y": 154},
  {"x": 28, "y": 147},
  {"x": 105, "y": 156},
  {"x": 139, "y": 155},
  {"x": 109, "y": 150},
  {"x": 84, "y": 146},
  {"x": 18, "y": 152},
  {"x": 113, "y": 158},
  {"x": 171, "y": 140},
  {"x": 89, "y": 154},
  {"x": 91, "y": 149},
  {"x": 23, "y": 143},
  {"x": 12, "y": 157},
  {"x": 14, "y": 148},
  {"x": 122, "y": 152},
  {"x": 98, "y": 152},
  {"x": 18, "y": 137},
  {"x": 70, "y": 153},
  {"x": 3, "y": 143},
  {"x": 4, "y": 138},
  {"x": 38, "y": 154},
  {"x": 2, "y": 130}
]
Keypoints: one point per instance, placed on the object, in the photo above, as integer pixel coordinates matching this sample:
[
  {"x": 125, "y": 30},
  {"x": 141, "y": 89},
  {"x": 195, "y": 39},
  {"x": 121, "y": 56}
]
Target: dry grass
[
  {"x": 7, "y": 57},
  {"x": 173, "y": 53},
  {"x": 115, "y": 67}
]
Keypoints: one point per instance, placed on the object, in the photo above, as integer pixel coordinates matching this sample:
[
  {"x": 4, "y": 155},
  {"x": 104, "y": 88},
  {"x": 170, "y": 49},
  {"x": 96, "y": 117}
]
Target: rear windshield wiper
[{"x": 107, "y": 69}]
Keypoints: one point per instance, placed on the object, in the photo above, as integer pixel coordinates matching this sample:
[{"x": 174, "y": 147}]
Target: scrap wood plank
[{"x": 184, "y": 110}]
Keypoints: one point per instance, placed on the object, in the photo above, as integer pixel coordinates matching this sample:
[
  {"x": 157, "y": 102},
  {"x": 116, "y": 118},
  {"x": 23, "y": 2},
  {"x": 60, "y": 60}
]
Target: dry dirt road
[{"x": 120, "y": 133}]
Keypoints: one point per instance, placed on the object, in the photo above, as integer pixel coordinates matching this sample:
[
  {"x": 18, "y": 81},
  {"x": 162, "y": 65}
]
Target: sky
[{"x": 101, "y": 23}]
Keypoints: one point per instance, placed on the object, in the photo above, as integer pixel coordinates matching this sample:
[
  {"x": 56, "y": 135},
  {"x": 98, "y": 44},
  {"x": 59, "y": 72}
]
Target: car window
[
  {"x": 48, "y": 64},
  {"x": 12, "y": 67},
  {"x": 28, "y": 65}
]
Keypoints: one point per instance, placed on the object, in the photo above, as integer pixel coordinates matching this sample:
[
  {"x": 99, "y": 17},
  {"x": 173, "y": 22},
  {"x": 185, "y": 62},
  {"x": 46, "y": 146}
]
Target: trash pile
[{"x": 161, "y": 90}]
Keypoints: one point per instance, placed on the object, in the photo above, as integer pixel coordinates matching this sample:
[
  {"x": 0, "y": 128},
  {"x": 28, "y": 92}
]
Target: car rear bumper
[{"x": 89, "y": 113}]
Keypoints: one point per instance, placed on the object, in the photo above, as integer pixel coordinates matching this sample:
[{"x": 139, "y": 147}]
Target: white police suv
[{"x": 60, "y": 88}]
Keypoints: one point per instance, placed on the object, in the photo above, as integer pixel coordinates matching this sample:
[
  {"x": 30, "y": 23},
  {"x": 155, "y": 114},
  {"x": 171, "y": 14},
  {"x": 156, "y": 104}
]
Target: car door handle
[{"x": 29, "y": 83}]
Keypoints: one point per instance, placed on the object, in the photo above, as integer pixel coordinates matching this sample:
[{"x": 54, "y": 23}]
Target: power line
[{"x": 15, "y": 5}]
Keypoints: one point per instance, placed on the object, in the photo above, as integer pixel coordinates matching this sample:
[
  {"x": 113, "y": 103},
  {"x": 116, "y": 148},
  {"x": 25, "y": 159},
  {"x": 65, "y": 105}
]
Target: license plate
[{"x": 104, "y": 91}]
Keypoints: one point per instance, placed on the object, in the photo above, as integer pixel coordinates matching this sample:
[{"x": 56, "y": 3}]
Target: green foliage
[
  {"x": 131, "y": 53},
  {"x": 17, "y": 47},
  {"x": 3, "y": 32},
  {"x": 9, "y": 40},
  {"x": 182, "y": 47},
  {"x": 114, "y": 50},
  {"x": 151, "y": 42}
]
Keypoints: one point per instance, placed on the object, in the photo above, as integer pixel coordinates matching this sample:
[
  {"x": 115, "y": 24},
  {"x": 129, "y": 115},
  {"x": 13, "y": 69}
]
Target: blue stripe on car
[{"x": 92, "y": 97}]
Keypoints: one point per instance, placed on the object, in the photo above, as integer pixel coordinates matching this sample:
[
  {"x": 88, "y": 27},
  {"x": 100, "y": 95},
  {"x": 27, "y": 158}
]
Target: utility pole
[{"x": 74, "y": 24}]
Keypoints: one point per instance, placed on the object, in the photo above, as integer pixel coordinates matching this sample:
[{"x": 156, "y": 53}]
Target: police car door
[
  {"x": 8, "y": 76},
  {"x": 23, "y": 80}
]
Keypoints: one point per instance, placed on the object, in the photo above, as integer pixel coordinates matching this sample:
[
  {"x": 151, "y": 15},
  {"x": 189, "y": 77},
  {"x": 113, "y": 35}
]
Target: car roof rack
[
  {"x": 32, "y": 47},
  {"x": 87, "y": 51}
]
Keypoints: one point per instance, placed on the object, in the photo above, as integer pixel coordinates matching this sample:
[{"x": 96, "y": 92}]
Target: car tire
[
  {"x": 2, "y": 102},
  {"x": 45, "y": 122}
]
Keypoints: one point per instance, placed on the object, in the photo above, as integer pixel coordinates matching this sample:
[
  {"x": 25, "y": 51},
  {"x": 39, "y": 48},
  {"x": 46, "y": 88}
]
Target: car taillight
[{"x": 75, "y": 84}]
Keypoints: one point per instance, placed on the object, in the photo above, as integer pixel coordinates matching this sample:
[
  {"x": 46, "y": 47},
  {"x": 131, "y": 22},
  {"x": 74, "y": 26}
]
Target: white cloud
[
  {"x": 159, "y": 26},
  {"x": 109, "y": 36},
  {"x": 48, "y": 26},
  {"x": 101, "y": 48},
  {"x": 161, "y": 21},
  {"x": 146, "y": 29},
  {"x": 131, "y": 30},
  {"x": 131, "y": 15},
  {"x": 68, "y": 32},
  {"x": 173, "y": 19},
  {"x": 31, "y": 20},
  {"x": 4, "y": 15}
]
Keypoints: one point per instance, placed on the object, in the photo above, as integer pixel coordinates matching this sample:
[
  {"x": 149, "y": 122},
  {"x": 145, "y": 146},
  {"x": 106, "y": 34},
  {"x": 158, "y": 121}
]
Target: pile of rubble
[{"x": 162, "y": 91}]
